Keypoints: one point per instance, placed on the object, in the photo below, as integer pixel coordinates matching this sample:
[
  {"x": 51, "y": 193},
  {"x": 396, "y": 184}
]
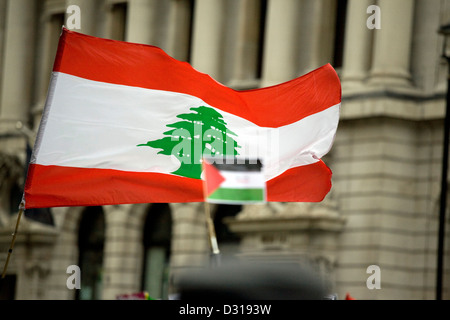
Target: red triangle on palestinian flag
[{"x": 213, "y": 177}]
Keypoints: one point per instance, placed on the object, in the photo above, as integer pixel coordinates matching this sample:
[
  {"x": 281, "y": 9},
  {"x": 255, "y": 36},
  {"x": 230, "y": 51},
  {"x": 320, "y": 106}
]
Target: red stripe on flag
[
  {"x": 309, "y": 183},
  {"x": 149, "y": 67},
  {"x": 55, "y": 186}
]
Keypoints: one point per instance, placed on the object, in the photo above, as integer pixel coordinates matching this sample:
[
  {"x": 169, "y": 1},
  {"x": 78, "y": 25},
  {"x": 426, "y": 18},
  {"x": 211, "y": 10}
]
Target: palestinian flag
[
  {"x": 239, "y": 181},
  {"x": 126, "y": 123}
]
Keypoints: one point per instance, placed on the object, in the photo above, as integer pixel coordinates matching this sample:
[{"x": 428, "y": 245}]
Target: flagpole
[
  {"x": 212, "y": 235},
  {"x": 215, "y": 252},
  {"x": 21, "y": 210},
  {"x": 211, "y": 230}
]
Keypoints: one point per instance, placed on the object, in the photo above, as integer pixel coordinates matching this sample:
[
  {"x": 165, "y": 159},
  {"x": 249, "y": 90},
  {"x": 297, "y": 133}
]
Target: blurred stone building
[{"x": 386, "y": 160}]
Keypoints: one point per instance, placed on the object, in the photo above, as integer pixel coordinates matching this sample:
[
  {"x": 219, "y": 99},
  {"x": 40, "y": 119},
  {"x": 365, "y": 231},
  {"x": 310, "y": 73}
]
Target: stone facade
[{"x": 386, "y": 159}]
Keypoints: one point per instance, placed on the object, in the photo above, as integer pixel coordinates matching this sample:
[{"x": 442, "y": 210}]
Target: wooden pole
[
  {"x": 21, "y": 210},
  {"x": 211, "y": 230},
  {"x": 215, "y": 252}
]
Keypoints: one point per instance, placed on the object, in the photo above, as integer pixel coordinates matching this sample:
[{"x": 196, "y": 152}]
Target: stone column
[
  {"x": 190, "y": 242},
  {"x": 245, "y": 44},
  {"x": 392, "y": 46},
  {"x": 65, "y": 251},
  {"x": 207, "y": 48},
  {"x": 122, "y": 258},
  {"x": 281, "y": 45},
  {"x": 18, "y": 61},
  {"x": 358, "y": 43},
  {"x": 179, "y": 30},
  {"x": 316, "y": 33},
  {"x": 141, "y": 17},
  {"x": 48, "y": 35}
]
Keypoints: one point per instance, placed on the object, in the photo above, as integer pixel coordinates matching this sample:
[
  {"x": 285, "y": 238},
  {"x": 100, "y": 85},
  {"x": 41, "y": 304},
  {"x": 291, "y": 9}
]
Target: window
[
  {"x": 91, "y": 237},
  {"x": 157, "y": 242},
  {"x": 119, "y": 21},
  {"x": 262, "y": 28},
  {"x": 191, "y": 4},
  {"x": 341, "y": 15},
  {"x": 228, "y": 241}
]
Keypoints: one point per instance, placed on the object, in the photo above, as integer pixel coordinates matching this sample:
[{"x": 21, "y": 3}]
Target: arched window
[
  {"x": 157, "y": 242},
  {"x": 91, "y": 237}
]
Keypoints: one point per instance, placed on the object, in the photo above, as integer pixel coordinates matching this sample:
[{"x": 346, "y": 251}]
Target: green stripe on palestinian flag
[
  {"x": 237, "y": 196},
  {"x": 239, "y": 181},
  {"x": 126, "y": 123}
]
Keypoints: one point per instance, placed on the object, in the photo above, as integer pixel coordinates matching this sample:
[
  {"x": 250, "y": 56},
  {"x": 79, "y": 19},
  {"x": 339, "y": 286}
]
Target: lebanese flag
[{"x": 122, "y": 122}]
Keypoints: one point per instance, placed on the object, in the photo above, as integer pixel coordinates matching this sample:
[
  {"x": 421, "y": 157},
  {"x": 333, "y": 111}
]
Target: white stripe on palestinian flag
[
  {"x": 242, "y": 180},
  {"x": 93, "y": 124}
]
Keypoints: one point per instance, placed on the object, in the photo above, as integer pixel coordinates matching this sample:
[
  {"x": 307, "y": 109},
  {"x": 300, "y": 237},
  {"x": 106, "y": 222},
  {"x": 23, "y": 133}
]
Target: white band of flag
[{"x": 92, "y": 124}]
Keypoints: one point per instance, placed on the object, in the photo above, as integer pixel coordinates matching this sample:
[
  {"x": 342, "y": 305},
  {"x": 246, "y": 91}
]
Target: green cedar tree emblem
[{"x": 201, "y": 133}]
